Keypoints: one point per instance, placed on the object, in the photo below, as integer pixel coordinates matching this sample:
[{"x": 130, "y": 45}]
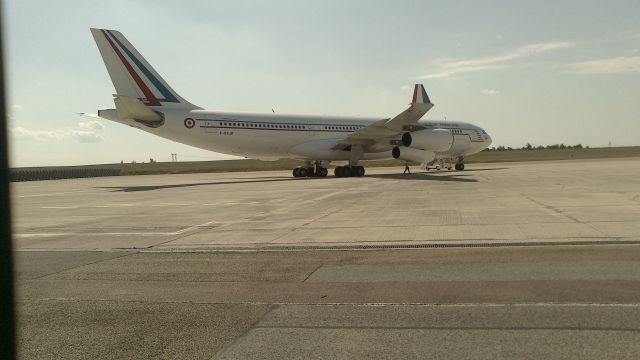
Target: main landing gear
[
  {"x": 346, "y": 171},
  {"x": 319, "y": 170},
  {"x": 311, "y": 171}
]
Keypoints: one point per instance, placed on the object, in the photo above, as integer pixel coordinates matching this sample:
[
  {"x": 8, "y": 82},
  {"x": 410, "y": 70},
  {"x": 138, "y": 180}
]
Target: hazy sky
[{"x": 542, "y": 72}]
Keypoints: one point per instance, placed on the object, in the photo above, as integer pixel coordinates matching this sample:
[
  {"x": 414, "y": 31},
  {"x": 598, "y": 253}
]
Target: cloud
[
  {"x": 85, "y": 133},
  {"x": 490, "y": 92},
  {"x": 86, "y": 136},
  {"x": 20, "y": 133},
  {"x": 453, "y": 71},
  {"x": 91, "y": 125},
  {"x": 450, "y": 67},
  {"x": 617, "y": 65}
]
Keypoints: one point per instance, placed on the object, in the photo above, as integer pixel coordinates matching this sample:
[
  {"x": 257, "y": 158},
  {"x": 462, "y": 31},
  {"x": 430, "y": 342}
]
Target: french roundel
[{"x": 189, "y": 123}]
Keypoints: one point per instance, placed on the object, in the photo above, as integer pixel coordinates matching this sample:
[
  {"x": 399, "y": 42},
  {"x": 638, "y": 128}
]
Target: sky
[{"x": 542, "y": 72}]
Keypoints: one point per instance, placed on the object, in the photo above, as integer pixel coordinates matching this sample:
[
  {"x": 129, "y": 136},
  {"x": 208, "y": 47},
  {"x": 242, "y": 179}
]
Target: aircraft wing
[{"x": 387, "y": 129}]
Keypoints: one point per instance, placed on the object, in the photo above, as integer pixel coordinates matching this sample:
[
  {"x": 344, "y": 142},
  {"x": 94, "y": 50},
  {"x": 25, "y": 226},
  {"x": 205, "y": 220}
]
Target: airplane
[{"x": 144, "y": 100}]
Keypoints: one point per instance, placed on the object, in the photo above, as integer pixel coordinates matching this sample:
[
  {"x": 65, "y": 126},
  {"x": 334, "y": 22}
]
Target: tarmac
[{"x": 510, "y": 260}]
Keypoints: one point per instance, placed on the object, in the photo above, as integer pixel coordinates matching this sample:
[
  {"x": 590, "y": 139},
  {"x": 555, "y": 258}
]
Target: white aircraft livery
[{"x": 145, "y": 101}]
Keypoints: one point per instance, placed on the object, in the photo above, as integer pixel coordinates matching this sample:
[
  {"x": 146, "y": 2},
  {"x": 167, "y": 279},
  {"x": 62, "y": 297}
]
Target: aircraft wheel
[
  {"x": 460, "y": 166},
  {"x": 359, "y": 171},
  {"x": 347, "y": 171},
  {"x": 295, "y": 172},
  {"x": 302, "y": 172},
  {"x": 323, "y": 172},
  {"x": 338, "y": 171},
  {"x": 310, "y": 172}
]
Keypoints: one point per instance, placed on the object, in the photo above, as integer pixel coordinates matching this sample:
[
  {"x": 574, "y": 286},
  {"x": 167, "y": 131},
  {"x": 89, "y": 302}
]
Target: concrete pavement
[{"x": 537, "y": 260}]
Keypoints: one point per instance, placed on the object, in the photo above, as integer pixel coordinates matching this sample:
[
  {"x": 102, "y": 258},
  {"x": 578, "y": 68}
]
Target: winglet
[{"x": 420, "y": 95}]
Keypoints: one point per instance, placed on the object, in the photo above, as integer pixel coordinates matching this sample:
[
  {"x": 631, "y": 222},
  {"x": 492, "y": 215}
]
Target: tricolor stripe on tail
[
  {"x": 132, "y": 75},
  {"x": 420, "y": 95}
]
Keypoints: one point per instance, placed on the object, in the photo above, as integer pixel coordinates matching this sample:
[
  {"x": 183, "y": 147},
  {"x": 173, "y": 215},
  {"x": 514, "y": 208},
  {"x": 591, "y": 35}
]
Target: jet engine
[
  {"x": 410, "y": 154},
  {"x": 436, "y": 140}
]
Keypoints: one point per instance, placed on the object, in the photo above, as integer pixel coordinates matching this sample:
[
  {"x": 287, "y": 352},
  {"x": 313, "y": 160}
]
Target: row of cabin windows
[
  {"x": 268, "y": 126},
  {"x": 351, "y": 128},
  {"x": 284, "y": 126}
]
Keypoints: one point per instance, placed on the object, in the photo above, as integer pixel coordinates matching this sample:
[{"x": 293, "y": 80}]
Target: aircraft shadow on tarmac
[
  {"x": 171, "y": 186},
  {"x": 424, "y": 176},
  {"x": 453, "y": 176},
  {"x": 442, "y": 176},
  {"x": 485, "y": 169}
]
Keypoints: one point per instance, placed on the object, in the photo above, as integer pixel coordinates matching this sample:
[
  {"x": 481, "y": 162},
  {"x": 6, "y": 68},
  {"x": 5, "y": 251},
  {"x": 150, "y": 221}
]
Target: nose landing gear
[{"x": 460, "y": 164}]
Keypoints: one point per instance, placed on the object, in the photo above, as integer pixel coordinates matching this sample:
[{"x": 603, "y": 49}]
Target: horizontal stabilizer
[
  {"x": 90, "y": 115},
  {"x": 132, "y": 108}
]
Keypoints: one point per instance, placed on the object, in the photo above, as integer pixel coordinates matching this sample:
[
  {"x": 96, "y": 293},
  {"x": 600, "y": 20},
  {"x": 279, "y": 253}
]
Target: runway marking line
[
  {"x": 173, "y": 204},
  {"x": 113, "y": 205},
  {"x": 59, "y": 207},
  {"x": 153, "y": 205},
  {"x": 172, "y": 233},
  {"x": 52, "y": 194}
]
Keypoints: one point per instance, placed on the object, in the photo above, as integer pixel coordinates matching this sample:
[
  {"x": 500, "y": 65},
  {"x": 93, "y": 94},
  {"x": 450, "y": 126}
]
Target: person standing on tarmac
[{"x": 406, "y": 168}]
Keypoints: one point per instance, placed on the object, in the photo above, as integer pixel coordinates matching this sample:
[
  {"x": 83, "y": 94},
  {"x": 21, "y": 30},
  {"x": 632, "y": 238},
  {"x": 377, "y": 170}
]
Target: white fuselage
[
  {"x": 145, "y": 100},
  {"x": 275, "y": 136}
]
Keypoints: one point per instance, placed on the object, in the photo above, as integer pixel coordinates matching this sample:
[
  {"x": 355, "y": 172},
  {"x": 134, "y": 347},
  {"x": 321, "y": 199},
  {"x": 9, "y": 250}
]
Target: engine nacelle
[
  {"x": 410, "y": 154},
  {"x": 430, "y": 139}
]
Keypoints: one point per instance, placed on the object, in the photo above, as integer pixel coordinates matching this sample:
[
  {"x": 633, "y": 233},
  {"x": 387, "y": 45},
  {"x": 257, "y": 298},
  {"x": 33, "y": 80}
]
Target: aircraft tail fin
[
  {"x": 132, "y": 75},
  {"x": 420, "y": 95}
]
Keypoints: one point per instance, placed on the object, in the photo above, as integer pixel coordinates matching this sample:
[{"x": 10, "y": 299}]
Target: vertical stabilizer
[
  {"x": 420, "y": 95},
  {"x": 132, "y": 75}
]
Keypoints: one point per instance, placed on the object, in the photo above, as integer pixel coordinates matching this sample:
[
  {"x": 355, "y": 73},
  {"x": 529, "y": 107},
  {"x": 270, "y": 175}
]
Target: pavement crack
[
  {"x": 311, "y": 273},
  {"x": 553, "y": 209},
  {"x": 86, "y": 264},
  {"x": 230, "y": 345}
]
